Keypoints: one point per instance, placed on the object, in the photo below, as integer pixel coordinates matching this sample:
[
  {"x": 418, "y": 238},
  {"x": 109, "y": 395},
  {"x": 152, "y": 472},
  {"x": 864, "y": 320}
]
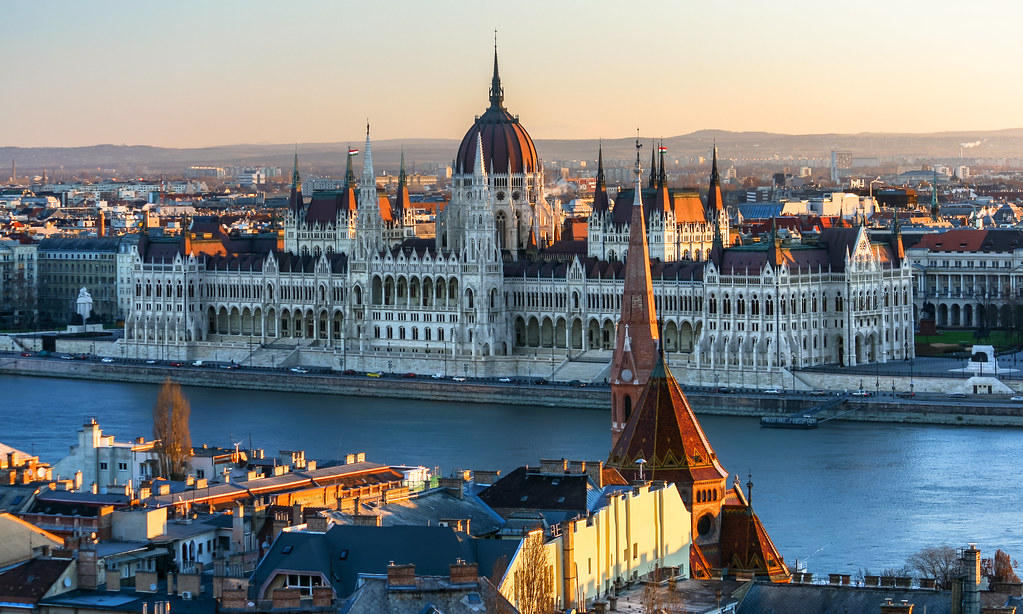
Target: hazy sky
[{"x": 198, "y": 72}]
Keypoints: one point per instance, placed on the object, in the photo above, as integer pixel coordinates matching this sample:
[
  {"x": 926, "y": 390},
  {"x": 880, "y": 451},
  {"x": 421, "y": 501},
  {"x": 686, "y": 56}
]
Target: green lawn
[{"x": 944, "y": 342}]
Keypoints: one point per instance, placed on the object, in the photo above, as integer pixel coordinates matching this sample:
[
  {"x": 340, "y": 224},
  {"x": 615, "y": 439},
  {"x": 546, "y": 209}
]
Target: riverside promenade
[{"x": 881, "y": 406}]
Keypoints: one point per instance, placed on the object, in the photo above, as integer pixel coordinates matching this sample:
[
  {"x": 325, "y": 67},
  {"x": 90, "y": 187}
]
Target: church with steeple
[{"x": 656, "y": 436}]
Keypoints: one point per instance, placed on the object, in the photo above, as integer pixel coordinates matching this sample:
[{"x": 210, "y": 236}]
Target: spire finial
[
  {"x": 600, "y": 162},
  {"x": 401, "y": 169},
  {"x": 296, "y": 181},
  {"x": 496, "y": 91},
  {"x": 639, "y": 167}
]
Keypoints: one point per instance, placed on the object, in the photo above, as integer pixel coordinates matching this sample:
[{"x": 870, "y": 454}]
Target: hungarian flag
[
  {"x": 662, "y": 149},
  {"x": 353, "y": 152}
]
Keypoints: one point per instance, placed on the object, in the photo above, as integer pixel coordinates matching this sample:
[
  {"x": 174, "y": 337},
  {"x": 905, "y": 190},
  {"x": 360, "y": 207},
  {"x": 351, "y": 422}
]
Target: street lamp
[{"x": 641, "y": 462}]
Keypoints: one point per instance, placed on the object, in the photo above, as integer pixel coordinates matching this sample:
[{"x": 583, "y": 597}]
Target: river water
[{"x": 844, "y": 497}]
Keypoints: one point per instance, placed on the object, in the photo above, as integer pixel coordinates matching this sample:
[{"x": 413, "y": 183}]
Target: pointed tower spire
[
  {"x": 368, "y": 176},
  {"x": 295, "y": 200},
  {"x": 934, "y": 197},
  {"x": 496, "y": 91},
  {"x": 296, "y": 180},
  {"x": 402, "y": 203},
  {"x": 601, "y": 203},
  {"x": 636, "y": 343},
  {"x": 653, "y": 166},
  {"x": 715, "y": 209}
]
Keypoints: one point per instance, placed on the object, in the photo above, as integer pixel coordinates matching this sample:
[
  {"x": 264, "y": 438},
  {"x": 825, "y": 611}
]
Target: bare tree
[
  {"x": 534, "y": 578},
  {"x": 170, "y": 429},
  {"x": 938, "y": 562}
]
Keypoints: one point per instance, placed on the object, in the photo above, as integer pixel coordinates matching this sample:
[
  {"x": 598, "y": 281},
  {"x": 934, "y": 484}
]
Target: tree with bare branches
[
  {"x": 534, "y": 578},
  {"x": 173, "y": 445},
  {"x": 938, "y": 562}
]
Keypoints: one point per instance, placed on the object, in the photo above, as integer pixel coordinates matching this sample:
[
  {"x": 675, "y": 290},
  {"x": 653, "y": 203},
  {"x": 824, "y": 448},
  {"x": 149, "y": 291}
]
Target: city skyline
[{"x": 232, "y": 73}]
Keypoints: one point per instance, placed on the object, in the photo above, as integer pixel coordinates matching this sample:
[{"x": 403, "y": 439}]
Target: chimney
[
  {"x": 553, "y": 466},
  {"x": 595, "y": 471},
  {"x": 101, "y": 225},
  {"x": 970, "y": 562},
  {"x": 890, "y": 607},
  {"x": 485, "y": 478},
  {"x": 464, "y": 573},
  {"x": 296, "y": 514},
  {"x": 238, "y": 529},
  {"x": 401, "y": 576},
  {"x": 568, "y": 562}
]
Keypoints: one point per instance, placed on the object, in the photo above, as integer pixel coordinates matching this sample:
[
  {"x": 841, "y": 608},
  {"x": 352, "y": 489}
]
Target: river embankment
[{"x": 980, "y": 410}]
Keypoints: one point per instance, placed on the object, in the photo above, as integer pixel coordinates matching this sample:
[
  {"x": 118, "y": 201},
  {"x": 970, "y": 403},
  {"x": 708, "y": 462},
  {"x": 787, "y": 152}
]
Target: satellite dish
[
  {"x": 67, "y": 582},
  {"x": 152, "y": 587}
]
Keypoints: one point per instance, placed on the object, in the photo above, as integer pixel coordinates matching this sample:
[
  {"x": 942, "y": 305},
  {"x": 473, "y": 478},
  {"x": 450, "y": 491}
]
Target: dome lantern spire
[{"x": 496, "y": 91}]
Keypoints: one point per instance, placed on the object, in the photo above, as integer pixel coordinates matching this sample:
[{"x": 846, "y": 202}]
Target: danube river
[{"x": 844, "y": 497}]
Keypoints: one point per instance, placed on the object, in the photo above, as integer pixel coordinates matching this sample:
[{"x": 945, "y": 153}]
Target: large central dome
[{"x": 507, "y": 146}]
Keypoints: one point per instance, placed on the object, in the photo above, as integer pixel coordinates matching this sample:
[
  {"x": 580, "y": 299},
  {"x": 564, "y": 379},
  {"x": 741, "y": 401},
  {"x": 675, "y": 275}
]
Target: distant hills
[{"x": 317, "y": 158}]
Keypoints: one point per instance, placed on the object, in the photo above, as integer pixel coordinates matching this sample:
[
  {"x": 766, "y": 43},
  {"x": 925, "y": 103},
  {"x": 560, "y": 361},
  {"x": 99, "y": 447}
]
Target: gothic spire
[
  {"x": 368, "y": 176},
  {"x": 295, "y": 200},
  {"x": 496, "y": 91},
  {"x": 653, "y": 166},
  {"x": 601, "y": 204},
  {"x": 636, "y": 345}
]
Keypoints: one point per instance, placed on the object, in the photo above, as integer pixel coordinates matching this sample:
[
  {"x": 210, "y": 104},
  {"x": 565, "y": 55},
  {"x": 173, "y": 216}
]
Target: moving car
[
  {"x": 409, "y": 375},
  {"x": 818, "y": 392},
  {"x": 298, "y": 370},
  {"x": 861, "y": 393},
  {"x": 437, "y": 376},
  {"x": 774, "y": 391},
  {"x": 348, "y": 372},
  {"x": 957, "y": 395},
  {"x": 1017, "y": 399},
  {"x": 504, "y": 380},
  {"x": 26, "y": 354},
  {"x": 67, "y": 357},
  {"x": 148, "y": 362},
  {"x": 458, "y": 378},
  {"x": 376, "y": 374},
  {"x": 108, "y": 360}
]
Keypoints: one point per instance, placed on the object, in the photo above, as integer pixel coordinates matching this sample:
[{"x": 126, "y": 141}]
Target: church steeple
[{"x": 636, "y": 347}]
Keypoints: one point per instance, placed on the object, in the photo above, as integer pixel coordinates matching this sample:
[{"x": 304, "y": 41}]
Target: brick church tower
[{"x": 637, "y": 337}]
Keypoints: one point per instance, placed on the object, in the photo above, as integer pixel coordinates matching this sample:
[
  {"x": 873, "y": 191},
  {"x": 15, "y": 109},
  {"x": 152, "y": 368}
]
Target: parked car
[
  {"x": 774, "y": 391},
  {"x": 299, "y": 370},
  {"x": 67, "y": 357}
]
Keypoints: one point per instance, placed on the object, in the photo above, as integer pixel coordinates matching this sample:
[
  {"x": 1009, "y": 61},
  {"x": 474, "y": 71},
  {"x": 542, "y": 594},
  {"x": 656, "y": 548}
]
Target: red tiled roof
[{"x": 664, "y": 431}]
